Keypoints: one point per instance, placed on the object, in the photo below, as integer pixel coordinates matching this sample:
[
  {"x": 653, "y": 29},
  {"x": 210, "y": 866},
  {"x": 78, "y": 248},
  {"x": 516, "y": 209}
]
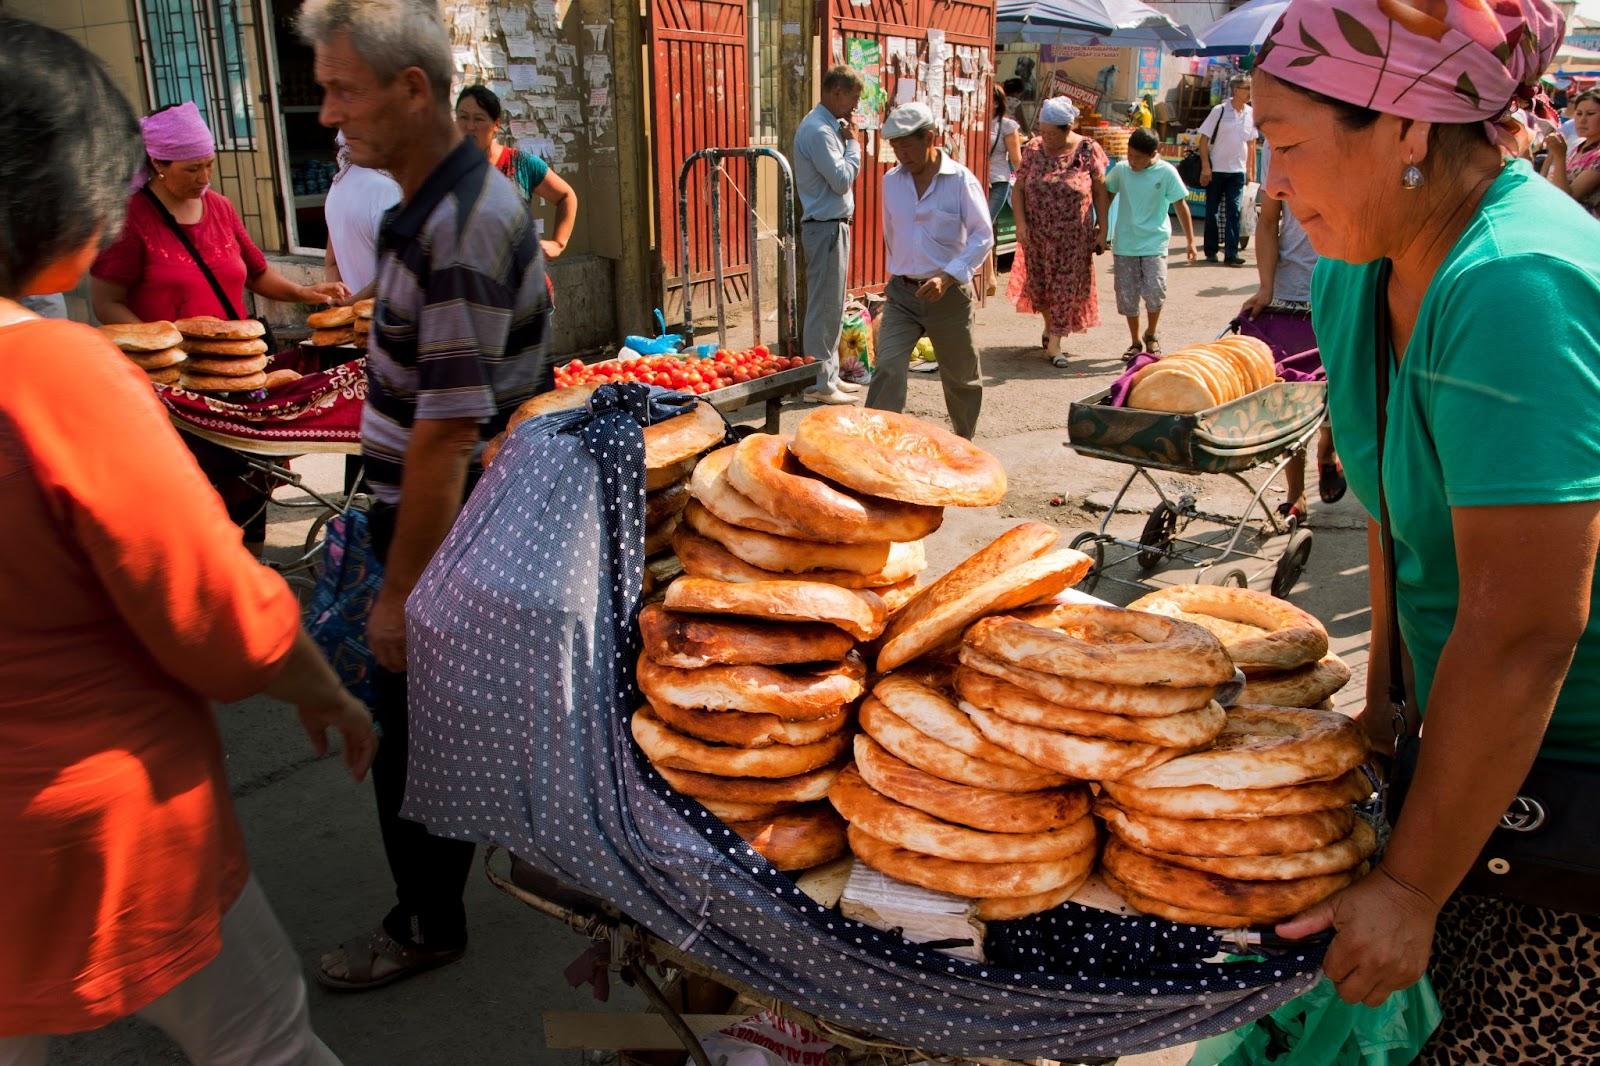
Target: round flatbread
[
  {"x": 1218, "y": 895},
  {"x": 786, "y": 554},
  {"x": 1146, "y": 701},
  {"x": 665, "y": 746},
  {"x": 1267, "y": 747},
  {"x": 927, "y": 710},
  {"x": 895, "y": 823},
  {"x": 214, "y": 383},
  {"x": 975, "y": 880},
  {"x": 979, "y": 808},
  {"x": 691, "y": 641},
  {"x": 1108, "y": 645},
  {"x": 856, "y": 611},
  {"x": 210, "y": 328},
  {"x": 1080, "y": 758},
  {"x": 1204, "y": 801},
  {"x": 1257, "y": 630},
  {"x": 331, "y": 318},
  {"x": 765, "y": 471},
  {"x": 793, "y": 694},
  {"x": 702, "y": 557},
  {"x": 1223, "y": 837},
  {"x": 797, "y": 839},
  {"x": 898, "y": 457},
  {"x": 143, "y": 336},
  {"x": 226, "y": 349},
  {"x": 741, "y": 730},
  {"x": 1341, "y": 855},
  {"x": 1307, "y": 686},
  {"x": 227, "y": 368},
  {"x": 801, "y": 788},
  {"x": 157, "y": 360},
  {"x": 941, "y": 760},
  {"x": 1187, "y": 729}
]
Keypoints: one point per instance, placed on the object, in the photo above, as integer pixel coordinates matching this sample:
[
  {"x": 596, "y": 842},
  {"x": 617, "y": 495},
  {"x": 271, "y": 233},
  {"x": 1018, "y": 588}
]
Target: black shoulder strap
[
  {"x": 1216, "y": 129},
  {"x": 1383, "y": 353},
  {"x": 194, "y": 253}
]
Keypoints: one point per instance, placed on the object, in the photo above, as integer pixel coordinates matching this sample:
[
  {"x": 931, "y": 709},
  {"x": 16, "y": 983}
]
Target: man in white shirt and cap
[
  {"x": 827, "y": 158},
  {"x": 937, "y": 232}
]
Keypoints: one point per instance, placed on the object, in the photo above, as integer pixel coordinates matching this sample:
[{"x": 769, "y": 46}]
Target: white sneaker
[
  {"x": 850, "y": 387},
  {"x": 925, "y": 366},
  {"x": 828, "y": 396}
]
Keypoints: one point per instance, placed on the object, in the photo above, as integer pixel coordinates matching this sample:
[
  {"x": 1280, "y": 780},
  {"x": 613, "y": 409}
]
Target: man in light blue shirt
[{"x": 827, "y": 158}]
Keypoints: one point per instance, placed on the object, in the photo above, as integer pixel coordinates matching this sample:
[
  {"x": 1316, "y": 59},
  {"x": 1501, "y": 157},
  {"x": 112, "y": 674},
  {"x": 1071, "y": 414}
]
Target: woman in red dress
[
  {"x": 148, "y": 275},
  {"x": 1061, "y": 207}
]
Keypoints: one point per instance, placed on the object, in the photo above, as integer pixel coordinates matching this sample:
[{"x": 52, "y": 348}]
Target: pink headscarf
[
  {"x": 1429, "y": 60},
  {"x": 176, "y": 133}
]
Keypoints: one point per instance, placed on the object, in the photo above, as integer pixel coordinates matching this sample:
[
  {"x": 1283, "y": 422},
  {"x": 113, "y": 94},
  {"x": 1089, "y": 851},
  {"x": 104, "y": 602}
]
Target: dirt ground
[{"x": 313, "y": 835}]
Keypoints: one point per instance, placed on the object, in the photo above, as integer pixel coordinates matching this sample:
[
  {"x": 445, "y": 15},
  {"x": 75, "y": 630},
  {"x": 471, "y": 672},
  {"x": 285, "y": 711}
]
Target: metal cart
[{"x": 1259, "y": 432}]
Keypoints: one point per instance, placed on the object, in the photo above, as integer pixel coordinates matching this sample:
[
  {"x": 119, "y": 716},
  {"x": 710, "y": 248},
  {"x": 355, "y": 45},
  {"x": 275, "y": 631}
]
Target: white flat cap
[{"x": 908, "y": 119}]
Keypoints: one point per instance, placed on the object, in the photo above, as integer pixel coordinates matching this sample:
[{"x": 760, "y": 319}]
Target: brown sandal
[{"x": 360, "y": 957}]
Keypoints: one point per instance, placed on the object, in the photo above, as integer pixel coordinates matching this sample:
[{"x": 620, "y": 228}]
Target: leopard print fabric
[{"x": 1517, "y": 984}]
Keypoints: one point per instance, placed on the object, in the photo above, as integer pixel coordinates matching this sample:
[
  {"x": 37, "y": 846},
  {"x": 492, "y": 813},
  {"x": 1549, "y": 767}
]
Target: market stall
[{"x": 972, "y": 817}]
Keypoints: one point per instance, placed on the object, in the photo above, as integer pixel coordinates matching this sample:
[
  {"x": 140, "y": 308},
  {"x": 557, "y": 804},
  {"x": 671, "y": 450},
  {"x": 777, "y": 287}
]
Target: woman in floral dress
[{"x": 1061, "y": 207}]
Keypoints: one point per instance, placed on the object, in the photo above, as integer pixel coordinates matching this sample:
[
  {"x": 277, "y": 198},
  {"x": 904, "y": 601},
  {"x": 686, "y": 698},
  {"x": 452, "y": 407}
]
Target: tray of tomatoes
[{"x": 683, "y": 373}]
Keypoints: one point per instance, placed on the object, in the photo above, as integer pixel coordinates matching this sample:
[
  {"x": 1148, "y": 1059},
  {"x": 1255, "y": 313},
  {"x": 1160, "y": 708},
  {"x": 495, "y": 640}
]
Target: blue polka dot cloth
[{"x": 522, "y": 643}]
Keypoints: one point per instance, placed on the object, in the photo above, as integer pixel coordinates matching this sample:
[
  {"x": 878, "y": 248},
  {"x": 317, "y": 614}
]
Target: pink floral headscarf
[{"x": 1429, "y": 60}]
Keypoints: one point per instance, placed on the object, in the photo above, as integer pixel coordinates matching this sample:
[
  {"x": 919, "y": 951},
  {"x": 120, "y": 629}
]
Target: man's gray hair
[
  {"x": 389, "y": 35},
  {"x": 1239, "y": 81}
]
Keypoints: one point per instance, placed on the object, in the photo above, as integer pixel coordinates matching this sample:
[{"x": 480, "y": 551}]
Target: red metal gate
[
  {"x": 700, "y": 98},
  {"x": 966, "y": 24}
]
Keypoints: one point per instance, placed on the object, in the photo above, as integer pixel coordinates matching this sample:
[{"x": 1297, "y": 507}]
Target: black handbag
[
  {"x": 1545, "y": 851},
  {"x": 205, "y": 268}
]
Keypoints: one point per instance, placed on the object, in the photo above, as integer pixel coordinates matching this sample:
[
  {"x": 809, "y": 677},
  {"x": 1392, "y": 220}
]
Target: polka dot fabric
[{"x": 522, "y": 642}]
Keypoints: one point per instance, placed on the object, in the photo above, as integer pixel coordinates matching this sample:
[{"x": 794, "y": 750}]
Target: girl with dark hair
[
  {"x": 479, "y": 117},
  {"x": 1005, "y": 156},
  {"x": 126, "y": 606}
]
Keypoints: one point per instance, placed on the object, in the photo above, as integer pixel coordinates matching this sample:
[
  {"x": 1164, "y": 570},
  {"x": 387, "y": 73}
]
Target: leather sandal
[{"x": 360, "y": 958}]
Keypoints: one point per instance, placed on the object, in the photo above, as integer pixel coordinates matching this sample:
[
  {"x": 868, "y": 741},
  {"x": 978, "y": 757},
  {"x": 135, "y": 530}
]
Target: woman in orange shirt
[{"x": 127, "y": 604}]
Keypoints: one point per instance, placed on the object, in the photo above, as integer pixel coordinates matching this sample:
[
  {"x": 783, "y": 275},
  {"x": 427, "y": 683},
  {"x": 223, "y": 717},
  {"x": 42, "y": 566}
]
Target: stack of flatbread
[
  {"x": 1282, "y": 650},
  {"x": 363, "y": 321},
  {"x": 1204, "y": 376},
  {"x": 333, "y": 327},
  {"x": 1249, "y": 832},
  {"x": 223, "y": 356},
  {"x": 751, "y": 666},
  {"x": 154, "y": 346}
]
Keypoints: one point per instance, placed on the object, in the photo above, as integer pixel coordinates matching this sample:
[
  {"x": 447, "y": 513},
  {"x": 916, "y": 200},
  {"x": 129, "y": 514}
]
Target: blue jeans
[{"x": 1225, "y": 194}]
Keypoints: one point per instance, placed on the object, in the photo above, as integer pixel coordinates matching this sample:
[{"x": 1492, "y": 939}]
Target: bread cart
[{"x": 1259, "y": 432}]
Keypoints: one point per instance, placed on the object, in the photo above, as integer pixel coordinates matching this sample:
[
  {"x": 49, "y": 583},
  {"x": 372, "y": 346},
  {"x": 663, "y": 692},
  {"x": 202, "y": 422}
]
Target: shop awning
[
  {"x": 1118, "y": 23},
  {"x": 1240, "y": 31}
]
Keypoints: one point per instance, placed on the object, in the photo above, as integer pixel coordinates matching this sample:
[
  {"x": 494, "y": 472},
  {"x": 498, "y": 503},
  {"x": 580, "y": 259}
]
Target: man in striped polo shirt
[{"x": 458, "y": 340}]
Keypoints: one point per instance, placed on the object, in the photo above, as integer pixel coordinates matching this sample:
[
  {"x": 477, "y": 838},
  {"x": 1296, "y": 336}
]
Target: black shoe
[
  {"x": 1211, "y": 259},
  {"x": 1235, "y": 261}
]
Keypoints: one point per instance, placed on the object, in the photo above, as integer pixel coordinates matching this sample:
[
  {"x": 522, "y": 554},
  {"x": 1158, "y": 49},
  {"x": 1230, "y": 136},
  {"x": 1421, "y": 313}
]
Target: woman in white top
[{"x": 1005, "y": 155}]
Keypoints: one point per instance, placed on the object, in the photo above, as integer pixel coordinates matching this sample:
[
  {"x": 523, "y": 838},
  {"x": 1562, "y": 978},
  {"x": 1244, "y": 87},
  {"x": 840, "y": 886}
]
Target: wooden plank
[{"x": 612, "y": 1031}]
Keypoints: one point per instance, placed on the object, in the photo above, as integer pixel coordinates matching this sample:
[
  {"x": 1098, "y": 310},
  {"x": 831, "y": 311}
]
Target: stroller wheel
[{"x": 1091, "y": 545}]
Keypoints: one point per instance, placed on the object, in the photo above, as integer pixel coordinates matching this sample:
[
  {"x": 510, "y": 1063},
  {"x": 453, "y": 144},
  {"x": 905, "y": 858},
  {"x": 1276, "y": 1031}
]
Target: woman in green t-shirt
[
  {"x": 479, "y": 115},
  {"x": 1386, "y": 119}
]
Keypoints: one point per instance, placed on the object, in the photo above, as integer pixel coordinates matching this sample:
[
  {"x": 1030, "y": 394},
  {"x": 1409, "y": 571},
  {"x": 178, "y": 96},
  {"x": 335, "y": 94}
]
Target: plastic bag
[
  {"x": 856, "y": 360},
  {"x": 1320, "y": 1029},
  {"x": 1248, "y": 209}
]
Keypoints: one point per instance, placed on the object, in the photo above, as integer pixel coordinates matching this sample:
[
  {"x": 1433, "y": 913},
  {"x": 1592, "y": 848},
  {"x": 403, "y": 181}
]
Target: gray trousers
[
  {"x": 947, "y": 322},
  {"x": 827, "y": 246}
]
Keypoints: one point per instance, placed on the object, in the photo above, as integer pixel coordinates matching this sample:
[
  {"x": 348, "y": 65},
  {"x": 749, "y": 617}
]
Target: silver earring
[{"x": 1411, "y": 177}]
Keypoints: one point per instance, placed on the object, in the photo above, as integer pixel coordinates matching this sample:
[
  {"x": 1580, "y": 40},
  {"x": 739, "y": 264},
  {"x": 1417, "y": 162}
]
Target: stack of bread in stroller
[
  {"x": 155, "y": 347},
  {"x": 795, "y": 552},
  {"x": 1282, "y": 650},
  {"x": 1203, "y": 376}
]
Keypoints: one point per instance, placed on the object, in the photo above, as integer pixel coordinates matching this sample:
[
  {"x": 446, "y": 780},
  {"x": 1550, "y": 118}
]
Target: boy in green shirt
[{"x": 1145, "y": 189}]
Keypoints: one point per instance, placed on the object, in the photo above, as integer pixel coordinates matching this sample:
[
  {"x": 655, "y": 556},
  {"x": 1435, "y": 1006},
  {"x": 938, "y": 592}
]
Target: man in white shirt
[
  {"x": 1227, "y": 164},
  {"x": 937, "y": 232},
  {"x": 827, "y": 158},
  {"x": 354, "y": 210}
]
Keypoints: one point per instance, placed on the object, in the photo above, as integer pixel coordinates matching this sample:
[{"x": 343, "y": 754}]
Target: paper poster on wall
[
  {"x": 886, "y": 151},
  {"x": 523, "y": 76},
  {"x": 952, "y": 108},
  {"x": 522, "y": 46},
  {"x": 513, "y": 21},
  {"x": 905, "y": 91},
  {"x": 862, "y": 54},
  {"x": 491, "y": 56}
]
